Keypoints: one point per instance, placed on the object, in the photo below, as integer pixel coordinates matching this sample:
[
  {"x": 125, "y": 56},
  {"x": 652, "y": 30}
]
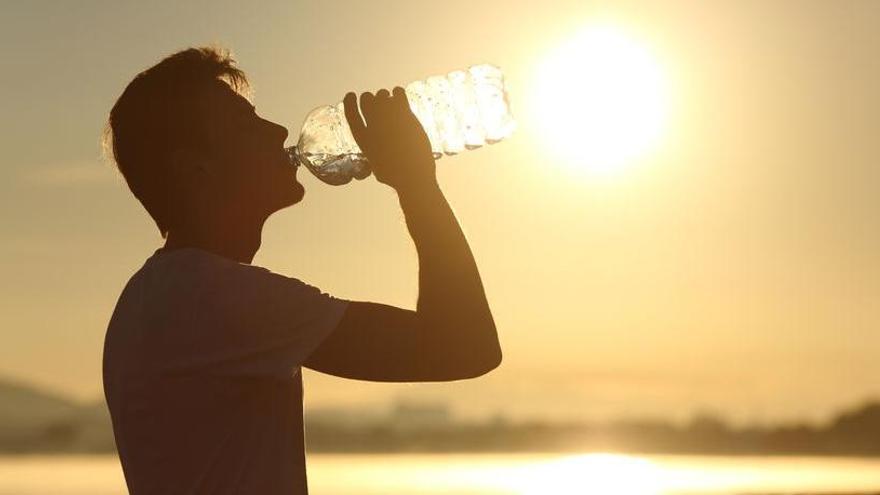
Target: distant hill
[
  {"x": 26, "y": 406},
  {"x": 34, "y": 420}
]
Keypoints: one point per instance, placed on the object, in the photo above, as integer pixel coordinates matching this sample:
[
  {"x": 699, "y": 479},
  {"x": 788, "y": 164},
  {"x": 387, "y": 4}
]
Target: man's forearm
[{"x": 452, "y": 303}]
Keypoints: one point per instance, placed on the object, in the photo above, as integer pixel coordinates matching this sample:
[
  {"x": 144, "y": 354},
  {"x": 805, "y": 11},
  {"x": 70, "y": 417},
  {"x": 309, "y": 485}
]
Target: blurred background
[{"x": 679, "y": 242}]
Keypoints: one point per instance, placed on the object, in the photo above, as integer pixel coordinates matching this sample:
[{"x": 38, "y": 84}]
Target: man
[{"x": 203, "y": 353}]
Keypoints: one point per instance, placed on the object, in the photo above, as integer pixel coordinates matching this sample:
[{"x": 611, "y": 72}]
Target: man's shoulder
[
  {"x": 174, "y": 292},
  {"x": 168, "y": 282},
  {"x": 191, "y": 275},
  {"x": 186, "y": 285},
  {"x": 187, "y": 258},
  {"x": 193, "y": 264}
]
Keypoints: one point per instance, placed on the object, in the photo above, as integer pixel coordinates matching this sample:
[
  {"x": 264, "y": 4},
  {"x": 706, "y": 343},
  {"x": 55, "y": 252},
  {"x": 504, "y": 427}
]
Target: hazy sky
[{"x": 734, "y": 269}]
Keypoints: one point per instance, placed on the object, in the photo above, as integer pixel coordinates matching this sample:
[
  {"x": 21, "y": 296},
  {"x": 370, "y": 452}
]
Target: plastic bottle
[{"x": 461, "y": 110}]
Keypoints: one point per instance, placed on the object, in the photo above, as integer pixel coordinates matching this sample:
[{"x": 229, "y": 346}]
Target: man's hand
[{"x": 392, "y": 139}]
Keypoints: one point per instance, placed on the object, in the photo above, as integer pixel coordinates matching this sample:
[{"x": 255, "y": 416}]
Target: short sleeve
[{"x": 248, "y": 321}]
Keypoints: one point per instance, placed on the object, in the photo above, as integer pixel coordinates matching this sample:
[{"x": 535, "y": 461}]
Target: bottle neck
[{"x": 293, "y": 156}]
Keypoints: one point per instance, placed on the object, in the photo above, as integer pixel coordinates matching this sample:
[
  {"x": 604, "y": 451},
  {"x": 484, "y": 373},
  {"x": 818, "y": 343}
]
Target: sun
[{"x": 600, "y": 100}]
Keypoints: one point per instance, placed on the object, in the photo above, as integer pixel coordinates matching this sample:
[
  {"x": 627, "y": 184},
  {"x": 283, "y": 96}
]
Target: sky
[{"x": 731, "y": 269}]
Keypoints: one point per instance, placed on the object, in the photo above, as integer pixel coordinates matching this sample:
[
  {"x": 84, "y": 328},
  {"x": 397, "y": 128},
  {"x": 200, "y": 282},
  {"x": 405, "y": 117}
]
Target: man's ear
[{"x": 188, "y": 164}]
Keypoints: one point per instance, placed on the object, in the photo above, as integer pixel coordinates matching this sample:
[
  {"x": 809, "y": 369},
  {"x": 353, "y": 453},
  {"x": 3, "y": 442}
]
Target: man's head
[{"x": 189, "y": 143}]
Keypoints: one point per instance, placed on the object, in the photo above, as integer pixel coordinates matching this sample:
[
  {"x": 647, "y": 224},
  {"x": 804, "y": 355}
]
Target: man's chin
[{"x": 294, "y": 195}]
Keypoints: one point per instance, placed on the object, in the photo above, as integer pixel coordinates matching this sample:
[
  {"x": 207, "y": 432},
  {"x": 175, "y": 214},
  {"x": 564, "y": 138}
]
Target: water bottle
[{"x": 459, "y": 111}]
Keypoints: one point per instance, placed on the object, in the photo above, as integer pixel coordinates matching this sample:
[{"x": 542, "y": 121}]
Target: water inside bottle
[
  {"x": 335, "y": 169},
  {"x": 330, "y": 165}
]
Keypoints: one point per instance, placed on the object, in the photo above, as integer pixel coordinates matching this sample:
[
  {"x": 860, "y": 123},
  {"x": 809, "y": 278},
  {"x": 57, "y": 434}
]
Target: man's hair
[{"x": 157, "y": 114}]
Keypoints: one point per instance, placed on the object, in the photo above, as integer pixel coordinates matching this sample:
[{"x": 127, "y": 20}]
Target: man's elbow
[
  {"x": 465, "y": 352},
  {"x": 486, "y": 363},
  {"x": 493, "y": 362}
]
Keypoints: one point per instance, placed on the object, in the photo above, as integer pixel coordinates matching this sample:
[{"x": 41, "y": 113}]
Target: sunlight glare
[
  {"x": 600, "y": 100},
  {"x": 593, "y": 473}
]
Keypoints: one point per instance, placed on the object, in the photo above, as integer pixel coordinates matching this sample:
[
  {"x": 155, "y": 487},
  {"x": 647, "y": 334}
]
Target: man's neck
[{"x": 236, "y": 242}]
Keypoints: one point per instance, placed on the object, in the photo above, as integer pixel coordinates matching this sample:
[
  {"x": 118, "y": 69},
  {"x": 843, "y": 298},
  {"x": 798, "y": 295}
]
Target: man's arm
[{"x": 451, "y": 335}]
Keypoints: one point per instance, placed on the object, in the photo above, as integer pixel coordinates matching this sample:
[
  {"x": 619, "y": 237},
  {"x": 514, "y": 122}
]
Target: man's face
[{"x": 251, "y": 168}]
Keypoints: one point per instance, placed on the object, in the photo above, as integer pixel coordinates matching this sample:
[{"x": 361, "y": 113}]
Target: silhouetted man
[{"x": 203, "y": 353}]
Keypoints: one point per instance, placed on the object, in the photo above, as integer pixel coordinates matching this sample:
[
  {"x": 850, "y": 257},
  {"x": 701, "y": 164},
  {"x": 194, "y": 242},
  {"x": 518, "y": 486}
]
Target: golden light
[
  {"x": 600, "y": 100},
  {"x": 593, "y": 473}
]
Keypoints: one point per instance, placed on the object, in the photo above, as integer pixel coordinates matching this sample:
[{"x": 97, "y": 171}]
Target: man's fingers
[
  {"x": 355, "y": 123},
  {"x": 368, "y": 106},
  {"x": 384, "y": 105},
  {"x": 399, "y": 97}
]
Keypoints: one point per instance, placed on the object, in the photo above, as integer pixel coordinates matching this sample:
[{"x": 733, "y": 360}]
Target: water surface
[{"x": 493, "y": 474}]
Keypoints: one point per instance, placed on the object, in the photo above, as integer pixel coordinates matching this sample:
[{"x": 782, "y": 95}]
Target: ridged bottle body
[{"x": 461, "y": 110}]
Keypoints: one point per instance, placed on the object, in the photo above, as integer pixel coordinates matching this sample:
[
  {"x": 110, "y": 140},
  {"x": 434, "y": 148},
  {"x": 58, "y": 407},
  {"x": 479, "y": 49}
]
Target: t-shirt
[{"x": 202, "y": 375}]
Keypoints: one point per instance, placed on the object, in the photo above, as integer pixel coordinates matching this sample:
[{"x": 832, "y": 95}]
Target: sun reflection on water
[
  {"x": 599, "y": 473},
  {"x": 593, "y": 473}
]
